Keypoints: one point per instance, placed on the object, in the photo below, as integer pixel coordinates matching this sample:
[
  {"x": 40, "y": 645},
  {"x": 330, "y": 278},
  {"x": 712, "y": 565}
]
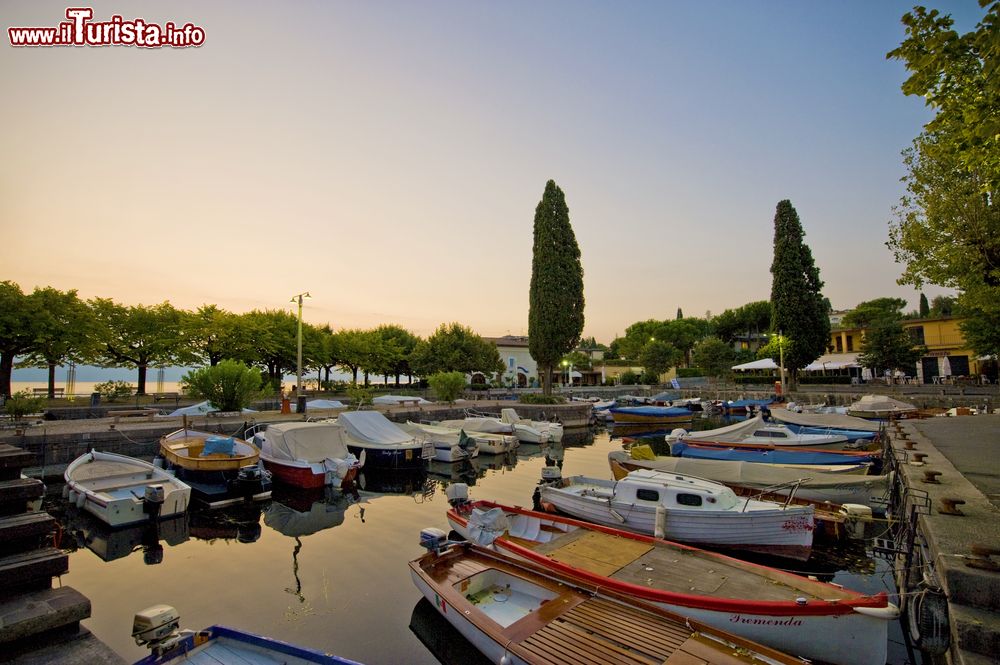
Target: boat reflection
[
  {"x": 239, "y": 522},
  {"x": 441, "y": 638},
  {"x": 577, "y": 437},
  {"x": 396, "y": 481},
  {"x": 466, "y": 471},
  {"x": 110, "y": 544}
]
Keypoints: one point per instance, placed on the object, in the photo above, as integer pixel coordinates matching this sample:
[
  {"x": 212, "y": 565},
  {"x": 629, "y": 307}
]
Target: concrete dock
[{"x": 950, "y": 469}]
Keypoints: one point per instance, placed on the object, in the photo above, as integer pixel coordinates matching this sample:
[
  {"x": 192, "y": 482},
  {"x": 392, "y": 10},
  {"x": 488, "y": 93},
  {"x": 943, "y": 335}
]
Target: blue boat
[
  {"x": 771, "y": 456},
  {"x": 742, "y": 405},
  {"x": 650, "y": 414}
]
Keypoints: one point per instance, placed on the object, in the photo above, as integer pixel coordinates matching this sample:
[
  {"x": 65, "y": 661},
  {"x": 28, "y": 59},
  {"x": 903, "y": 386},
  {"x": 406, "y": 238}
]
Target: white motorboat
[
  {"x": 121, "y": 490},
  {"x": 384, "y": 443},
  {"x": 552, "y": 429},
  {"x": 686, "y": 509},
  {"x": 449, "y": 445},
  {"x": 489, "y": 444},
  {"x": 525, "y": 432},
  {"x": 880, "y": 407},
  {"x": 756, "y": 431},
  {"x": 307, "y": 454}
]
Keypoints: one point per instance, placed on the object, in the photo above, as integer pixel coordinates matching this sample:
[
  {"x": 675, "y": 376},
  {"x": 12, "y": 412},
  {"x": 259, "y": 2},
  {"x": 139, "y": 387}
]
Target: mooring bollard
[
  {"x": 949, "y": 506},
  {"x": 931, "y": 477}
]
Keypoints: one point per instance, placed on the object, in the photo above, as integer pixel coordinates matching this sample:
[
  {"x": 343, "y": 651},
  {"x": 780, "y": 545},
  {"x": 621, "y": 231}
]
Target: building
[{"x": 520, "y": 369}]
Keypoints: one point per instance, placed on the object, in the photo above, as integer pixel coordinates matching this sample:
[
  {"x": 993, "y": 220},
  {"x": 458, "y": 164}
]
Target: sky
[{"x": 387, "y": 157}]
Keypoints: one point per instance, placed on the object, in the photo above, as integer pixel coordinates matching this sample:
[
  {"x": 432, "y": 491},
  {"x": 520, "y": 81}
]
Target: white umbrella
[{"x": 945, "y": 366}]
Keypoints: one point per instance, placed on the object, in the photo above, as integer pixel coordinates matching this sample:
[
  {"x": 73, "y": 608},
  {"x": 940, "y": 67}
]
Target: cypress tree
[
  {"x": 799, "y": 311},
  {"x": 555, "y": 314},
  {"x": 925, "y": 308}
]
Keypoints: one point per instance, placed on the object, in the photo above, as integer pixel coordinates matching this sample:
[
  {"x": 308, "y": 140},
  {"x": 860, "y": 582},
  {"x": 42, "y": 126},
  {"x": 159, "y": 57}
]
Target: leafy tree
[
  {"x": 447, "y": 386},
  {"x": 213, "y": 334},
  {"x": 680, "y": 314},
  {"x": 887, "y": 345},
  {"x": 942, "y": 306},
  {"x": 872, "y": 311},
  {"x": 750, "y": 319},
  {"x": 18, "y": 326},
  {"x": 959, "y": 77},
  {"x": 397, "y": 344},
  {"x": 578, "y": 360},
  {"x": 140, "y": 336},
  {"x": 113, "y": 391},
  {"x": 555, "y": 313},
  {"x": 981, "y": 331},
  {"x": 925, "y": 308},
  {"x": 714, "y": 356},
  {"x": 272, "y": 343},
  {"x": 229, "y": 385},
  {"x": 799, "y": 309},
  {"x": 65, "y": 331},
  {"x": 658, "y": 356},
  {"x": 629, "y": 378},
  {"x": 455, "y": 348}
]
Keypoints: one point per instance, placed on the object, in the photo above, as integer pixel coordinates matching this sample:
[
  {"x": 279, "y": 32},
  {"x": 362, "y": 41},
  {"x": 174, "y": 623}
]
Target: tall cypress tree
[
  {"x": 799, "y": 311},
  {"x": 925, "y": 308},
  {"x": 555, "y": 315}
]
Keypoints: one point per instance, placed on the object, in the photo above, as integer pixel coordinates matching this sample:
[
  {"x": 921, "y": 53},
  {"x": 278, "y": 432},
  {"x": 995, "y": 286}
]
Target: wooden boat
[
  {"x": 221, "y": 470},
  {"x": 121, "y": 490},
  {"x": 686, "y": 509},
  {"x": 517, "y": 612},
  {"x": 307, "y": 454},
  {"x": 384, "y": 444},
  {"x": 488, "y": 444},
  {"x": 450, "y": 445},
  {"x": 650, "y": 414},
  {"x": 158, "y": 627},
  {"x": 810, "y": 484},
  {"x": 756, "y": 431},
  {"x": 786, "y": 456},
  {"x": 795, "y": 614}
]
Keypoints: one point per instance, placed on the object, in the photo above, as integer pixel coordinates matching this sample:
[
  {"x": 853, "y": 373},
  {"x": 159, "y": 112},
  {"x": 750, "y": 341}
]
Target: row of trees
[{"x": 49, "y": 328}]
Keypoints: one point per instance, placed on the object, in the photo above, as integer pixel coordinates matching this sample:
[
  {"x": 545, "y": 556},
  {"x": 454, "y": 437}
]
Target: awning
[
  {"x": 763, "y": 363},
  {"x": 833, "y": 361}
]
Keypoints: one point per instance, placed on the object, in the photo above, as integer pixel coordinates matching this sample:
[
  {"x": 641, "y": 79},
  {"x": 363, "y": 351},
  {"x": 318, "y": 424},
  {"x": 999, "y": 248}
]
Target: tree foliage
[
  {"x": 871, "y": 311},
  {"x": 65, "y": 331},
  {"x": 447, "y": 386},
  {"x": 887, "y": 345},
  {"x": 658, "y": 356},
  {"x": 714, "y": 356},
  {"x": 799, "y": 306},
  {"x": 455, "y": 348},
  {"x": 958, "y": 75},
  {"x": 750, "y": 319},
  {"x": 17, "y": 330},
  {"x": 555, "y": 313},
  {"x": 925, "y": 309},
  {"x": 229, "y": 385}
]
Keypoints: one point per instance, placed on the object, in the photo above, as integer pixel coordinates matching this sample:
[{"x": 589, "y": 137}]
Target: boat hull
[
  {"x": 817, "y": 630},
  {"x": 307, "y": 476},
  {"x": 218, "y": 644},
  {"x": 382, "y": 457},
  {"x": 782, "y": 532},
  {"x": 650, "y": 414},
  {"x": 705, "y": 450},
  {"x": 218, "y": 489}
]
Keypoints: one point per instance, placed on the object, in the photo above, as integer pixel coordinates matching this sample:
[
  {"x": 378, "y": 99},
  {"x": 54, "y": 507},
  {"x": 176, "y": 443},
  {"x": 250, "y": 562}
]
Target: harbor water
[{"x": 329, "y": 571}]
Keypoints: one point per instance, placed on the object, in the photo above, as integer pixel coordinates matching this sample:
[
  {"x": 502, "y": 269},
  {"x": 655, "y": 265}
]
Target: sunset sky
[{"x": 388, "y": 156}]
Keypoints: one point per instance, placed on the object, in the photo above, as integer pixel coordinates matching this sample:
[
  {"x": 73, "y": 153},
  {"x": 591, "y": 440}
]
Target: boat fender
[
  {"x": 65, "y": 492},
  {"x": 81, "y": 499},
  {"x": 71, "y": 496},
  {"x": 660, "y": 528}
]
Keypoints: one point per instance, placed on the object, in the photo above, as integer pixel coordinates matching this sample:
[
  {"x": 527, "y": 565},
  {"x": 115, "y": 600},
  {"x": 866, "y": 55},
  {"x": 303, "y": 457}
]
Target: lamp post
[
  {"x": 565, "y": 364},
  {"x": 781, "y": 362},
  {"x": 298, "y": 362}
]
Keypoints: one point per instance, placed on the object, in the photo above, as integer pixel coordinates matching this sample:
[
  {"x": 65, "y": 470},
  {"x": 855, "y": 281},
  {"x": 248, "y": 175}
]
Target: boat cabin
[{"x": 672, "y": 490}]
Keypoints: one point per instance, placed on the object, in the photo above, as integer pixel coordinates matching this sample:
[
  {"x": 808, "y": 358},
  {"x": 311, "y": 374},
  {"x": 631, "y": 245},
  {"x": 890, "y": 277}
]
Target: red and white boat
[
  {"x": 782, "y": 610},
  {"x": 307, "y": 454}
]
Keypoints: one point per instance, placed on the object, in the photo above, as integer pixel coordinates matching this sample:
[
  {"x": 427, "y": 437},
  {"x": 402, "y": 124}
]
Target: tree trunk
[
  {"x": 6, "y": 367},
  {"x": 547, "y": 379},
  {"x": 354, "y": 374},
  {"x": 52, "y": 380},
  {"x": 397, "y": 379},
  {"x": 141, "y": 390},
  {"x": 366, "y": 379}
]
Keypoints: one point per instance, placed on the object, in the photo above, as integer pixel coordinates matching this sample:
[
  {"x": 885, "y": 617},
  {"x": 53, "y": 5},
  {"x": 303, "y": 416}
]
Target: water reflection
[
  {"x": 441, "y": 638},
  {"x": 110, "y": 544},
  {"x": 238, "y": 522}
]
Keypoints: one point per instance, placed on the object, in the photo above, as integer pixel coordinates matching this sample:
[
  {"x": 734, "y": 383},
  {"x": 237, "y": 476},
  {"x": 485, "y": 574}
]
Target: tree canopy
[
  {"x": 871, "y": 311},
  {"x": 887, "y": 345},
  {"x": 800, "y": 311},
  {"x": 455, "y": 348},
  {"x": 555, "y": 309},
  {"x": 714, "y": 357}
]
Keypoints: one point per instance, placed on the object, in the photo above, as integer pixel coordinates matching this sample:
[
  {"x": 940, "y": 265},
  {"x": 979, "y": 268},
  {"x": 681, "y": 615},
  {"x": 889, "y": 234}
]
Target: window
[
  {"x": 916, "y": 335},
  {"x": 689, "y": 499},
  {"x": 647, "y": 495},
  {"x": 850, "y": 343}
]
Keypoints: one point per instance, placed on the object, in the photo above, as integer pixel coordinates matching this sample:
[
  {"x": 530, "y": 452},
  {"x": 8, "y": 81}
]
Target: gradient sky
[{"x": 388, "y": 156}]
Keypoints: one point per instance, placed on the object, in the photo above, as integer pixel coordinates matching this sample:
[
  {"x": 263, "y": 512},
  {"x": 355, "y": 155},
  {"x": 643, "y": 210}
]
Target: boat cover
[
  {"x": 662, "y": 411},
  {"x": 681, "y": 449},
  {"x": 825, "y": 420},
  {"x": 398, "y": 399},
  {"x": 734, "y": 432},
  {"x": 881, "y": 403},
  {"x": 218, "y": 445},
  {"x": 486, "y": 525},
  {"x": 373, "y": 427},
  {"x": 755, "y": 475},
  {"x": 309, "y": 442},
  {"x": 747, "y": 402}
]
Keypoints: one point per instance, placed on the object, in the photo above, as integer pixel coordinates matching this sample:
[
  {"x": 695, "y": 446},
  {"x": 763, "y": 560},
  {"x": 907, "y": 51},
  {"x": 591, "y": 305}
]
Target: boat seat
[{"x": 136, "y": 483}]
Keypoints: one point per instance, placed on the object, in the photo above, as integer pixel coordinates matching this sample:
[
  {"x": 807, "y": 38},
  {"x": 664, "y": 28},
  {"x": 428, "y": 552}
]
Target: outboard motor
[
  {"x": 157, "y": 627},
  {"x": 252, "y": 480},
  {"x": 458, "y": 495},
  {"x": 152, "y": 501},
  {"x": 433, "y": 539}
]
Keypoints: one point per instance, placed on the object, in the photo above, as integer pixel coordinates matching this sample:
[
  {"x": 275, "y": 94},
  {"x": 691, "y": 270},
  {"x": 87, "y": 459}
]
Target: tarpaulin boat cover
[
  {"x": 681, "y": 449},
  {"x": 486, "y": 525},
  {"x": 734, "y": 432},
  {"x": 827, "y": 420},
  {"x": 309, "y": 442},
  {"x": 373, "y": 427}
]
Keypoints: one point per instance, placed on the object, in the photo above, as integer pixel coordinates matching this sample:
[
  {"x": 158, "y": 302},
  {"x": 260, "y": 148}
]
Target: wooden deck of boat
[
  {"x": 674, "y": 570},
  {"x": 576, "y": 628}
]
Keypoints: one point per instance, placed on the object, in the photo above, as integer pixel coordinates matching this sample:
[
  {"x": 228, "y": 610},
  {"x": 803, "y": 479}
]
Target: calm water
[{"x": 331, "y": 573}]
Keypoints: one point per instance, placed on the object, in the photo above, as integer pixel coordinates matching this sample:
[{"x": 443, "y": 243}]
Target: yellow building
[{"x": 947, "y": 357}]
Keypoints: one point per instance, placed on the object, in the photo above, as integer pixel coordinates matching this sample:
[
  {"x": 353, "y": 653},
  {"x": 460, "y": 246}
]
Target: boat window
[
  {"x": 689, "y": 499},
  {"x": 647, "y": 494}
]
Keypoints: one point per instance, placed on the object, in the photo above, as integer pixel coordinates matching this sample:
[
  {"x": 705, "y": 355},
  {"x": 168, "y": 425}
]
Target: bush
[
  {"x": 531, "y": 398},
  {"x": 229, "y": 386},
  {"x": 359, "y": 395},
  {"x": 479, "y": 386},
  {"x": 22, "y": 403},
  {"x": 447, "y": 386},
  {"x": 687, "y": 372},
  {"x": 650, "y": 378},
  {"x": 113, "y": 391},
  {"x": 628, "y": 378}
]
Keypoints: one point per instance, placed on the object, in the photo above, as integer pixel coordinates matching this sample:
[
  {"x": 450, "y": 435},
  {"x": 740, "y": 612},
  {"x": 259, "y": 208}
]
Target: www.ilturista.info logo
[{"x": 79, "y": 30}]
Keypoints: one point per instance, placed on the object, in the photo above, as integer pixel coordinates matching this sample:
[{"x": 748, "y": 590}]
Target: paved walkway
[{"x": 972, "y": 445}]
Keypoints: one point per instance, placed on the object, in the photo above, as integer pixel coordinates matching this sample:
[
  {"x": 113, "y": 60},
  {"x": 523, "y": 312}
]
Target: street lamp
[
  {"x": 781, "y": 362},
  {"x": 298, "y": 366},
  {"x": 565, "y": 364}
]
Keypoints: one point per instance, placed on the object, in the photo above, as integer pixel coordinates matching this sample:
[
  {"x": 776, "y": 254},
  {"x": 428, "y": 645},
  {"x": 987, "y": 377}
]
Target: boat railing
[{"x": 791, "y": 485}]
